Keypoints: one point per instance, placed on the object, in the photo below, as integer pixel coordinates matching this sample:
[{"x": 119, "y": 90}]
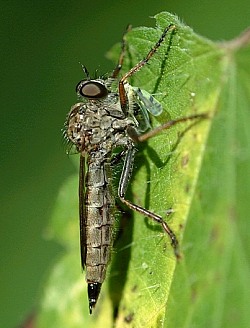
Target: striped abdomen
[{"x": 97, "y": 226}]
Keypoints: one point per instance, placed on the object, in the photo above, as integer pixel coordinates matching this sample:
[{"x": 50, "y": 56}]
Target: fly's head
[
  {"x": 84, "y": 117},
  {"x": 98, "y": 121}
]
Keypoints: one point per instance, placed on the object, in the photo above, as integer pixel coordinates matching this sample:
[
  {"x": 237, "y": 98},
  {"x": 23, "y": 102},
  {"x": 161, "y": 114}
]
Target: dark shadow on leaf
[
  {"x": 123, "y": 243},
  {"x": 158, "y": 162},
  {"x": 120, "y": 261},
  {"x": 163, "y": 63}
]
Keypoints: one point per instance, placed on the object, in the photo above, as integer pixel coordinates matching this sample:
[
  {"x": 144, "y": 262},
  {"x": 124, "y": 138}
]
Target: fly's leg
[
  {"x": 128, "y": 168},
  {"x": 145, "y": 136},
  {"x": 138, "y": 66},
  {"x": 167, "y": 125},
  {"x": 123, "y": 184},
  {"x": 117, "y": 158},
  {"x": 118, "y": 67}
]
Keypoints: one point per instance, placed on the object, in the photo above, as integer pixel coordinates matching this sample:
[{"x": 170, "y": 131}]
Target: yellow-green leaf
[{"x": 197, "y": 170}]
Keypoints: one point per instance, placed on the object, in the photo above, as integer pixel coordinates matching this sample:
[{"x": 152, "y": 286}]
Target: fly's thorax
[{"x": 97, "y": 124}]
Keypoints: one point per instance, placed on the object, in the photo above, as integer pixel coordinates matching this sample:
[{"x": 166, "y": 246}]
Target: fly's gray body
[{"x": 96, "y": 127}]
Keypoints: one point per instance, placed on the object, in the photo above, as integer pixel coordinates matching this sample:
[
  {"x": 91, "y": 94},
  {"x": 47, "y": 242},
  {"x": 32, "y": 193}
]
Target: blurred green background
[{"x": 42, "y": 44}]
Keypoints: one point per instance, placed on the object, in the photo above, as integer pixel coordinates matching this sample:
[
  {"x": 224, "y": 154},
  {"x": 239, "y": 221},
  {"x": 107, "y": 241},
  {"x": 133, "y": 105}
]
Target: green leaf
[{"x": 197, "y": 169}]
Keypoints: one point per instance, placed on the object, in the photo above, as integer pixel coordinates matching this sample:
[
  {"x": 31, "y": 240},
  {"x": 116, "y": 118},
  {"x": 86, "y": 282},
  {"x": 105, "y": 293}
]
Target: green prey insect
[{"x": 101, "y": 122}]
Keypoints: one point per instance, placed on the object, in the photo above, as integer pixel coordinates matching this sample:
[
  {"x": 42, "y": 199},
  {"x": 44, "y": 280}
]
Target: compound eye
[{"x": 91, "y": 89}]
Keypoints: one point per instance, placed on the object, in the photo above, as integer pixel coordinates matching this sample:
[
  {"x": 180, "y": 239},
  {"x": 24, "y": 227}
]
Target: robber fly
[{"x": 106, "y": 120}]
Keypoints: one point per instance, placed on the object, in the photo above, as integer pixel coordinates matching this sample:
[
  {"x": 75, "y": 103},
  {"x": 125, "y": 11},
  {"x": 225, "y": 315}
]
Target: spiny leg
[
  {"x": 128, "y": 167},
  {"x": 118, "y": 67},
  {"x": 138, "y": 66},
  {"x": 123, "y": 184},
  {"x": 168, "y": 125},
  {"x": 117, "y": 158},
  {"x": 133, "y": 134}
]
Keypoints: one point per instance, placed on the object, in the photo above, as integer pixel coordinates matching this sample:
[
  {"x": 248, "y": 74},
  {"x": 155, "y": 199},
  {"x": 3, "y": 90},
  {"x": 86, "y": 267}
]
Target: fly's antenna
[{"x": 85, "y": 71}]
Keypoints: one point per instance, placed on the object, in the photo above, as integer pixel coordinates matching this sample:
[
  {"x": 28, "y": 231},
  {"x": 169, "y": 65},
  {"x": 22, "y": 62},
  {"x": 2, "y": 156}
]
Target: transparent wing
[
  {"x": 82, "y": 214},
  {"x": 148, "y": 102},
  {"x": 145, "y": 103}
]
